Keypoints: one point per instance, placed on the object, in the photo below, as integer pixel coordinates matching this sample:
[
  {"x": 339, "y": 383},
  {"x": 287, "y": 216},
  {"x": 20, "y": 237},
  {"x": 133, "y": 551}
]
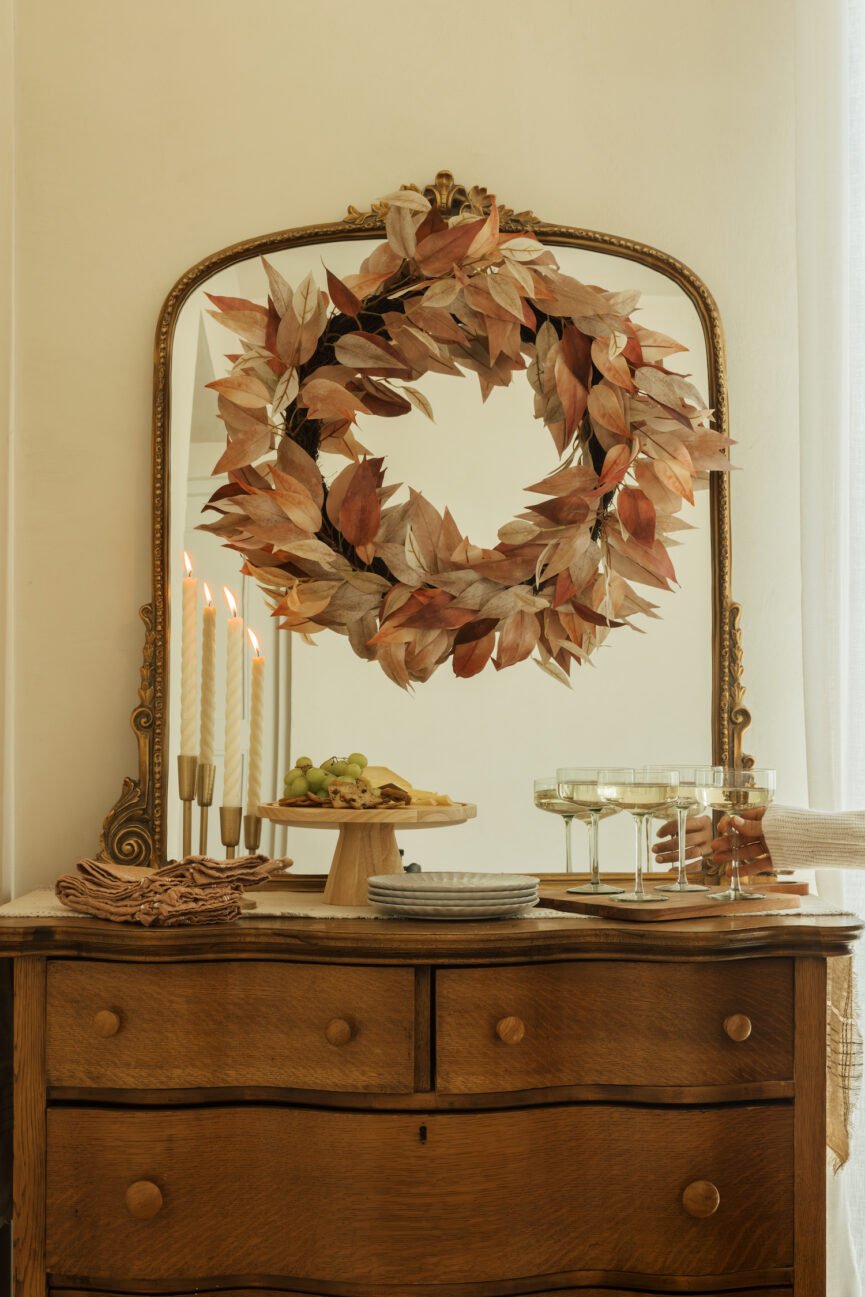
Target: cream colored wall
[
  {"x": 7, "y": 212},
  {"x": 150, "y": 134}
]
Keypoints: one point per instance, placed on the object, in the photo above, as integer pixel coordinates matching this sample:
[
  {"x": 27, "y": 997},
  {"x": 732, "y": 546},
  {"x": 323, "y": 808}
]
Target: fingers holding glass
[{"x": 743, "y": 795}]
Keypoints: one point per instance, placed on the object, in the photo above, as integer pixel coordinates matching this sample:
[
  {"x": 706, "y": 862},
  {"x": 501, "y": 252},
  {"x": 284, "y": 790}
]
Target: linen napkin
[{"x": 187, "y": 892}]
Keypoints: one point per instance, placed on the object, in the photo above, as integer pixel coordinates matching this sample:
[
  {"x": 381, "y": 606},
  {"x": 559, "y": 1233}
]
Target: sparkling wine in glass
[
  {"x": 643, "y": 792},
  {"x": 734, "y": 791},
  {"x": 686, "y": 804},
  {"x": 548, "y": 799},
  {"x": 578, "y": 788}
]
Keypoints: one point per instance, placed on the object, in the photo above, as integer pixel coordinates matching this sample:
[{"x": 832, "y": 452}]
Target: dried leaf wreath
[{"x": 401, "y": 580}]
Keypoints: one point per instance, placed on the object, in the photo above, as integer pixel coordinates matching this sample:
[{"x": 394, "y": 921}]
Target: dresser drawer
[
  {"x": 396, "y": 1198},
  {"x": 614, "y": 1023},
  {"x": 169, "y": 1026}
]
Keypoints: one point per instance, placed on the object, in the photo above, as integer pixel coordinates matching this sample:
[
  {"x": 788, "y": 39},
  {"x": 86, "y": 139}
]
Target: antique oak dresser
[{"x": 359, "y": 1108}]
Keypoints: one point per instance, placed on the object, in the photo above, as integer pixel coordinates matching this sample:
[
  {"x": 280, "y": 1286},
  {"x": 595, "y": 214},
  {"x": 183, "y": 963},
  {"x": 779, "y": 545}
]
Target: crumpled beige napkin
[{"x": 196, "y": 890}]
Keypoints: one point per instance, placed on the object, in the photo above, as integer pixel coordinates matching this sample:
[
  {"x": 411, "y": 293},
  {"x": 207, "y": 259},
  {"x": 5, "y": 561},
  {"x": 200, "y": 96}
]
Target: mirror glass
[{"x": 647, "y": 698}]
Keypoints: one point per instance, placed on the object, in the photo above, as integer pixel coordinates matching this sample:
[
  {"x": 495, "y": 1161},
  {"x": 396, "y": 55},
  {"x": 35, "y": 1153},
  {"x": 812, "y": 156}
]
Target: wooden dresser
[{"x": 366, "y": 1108}]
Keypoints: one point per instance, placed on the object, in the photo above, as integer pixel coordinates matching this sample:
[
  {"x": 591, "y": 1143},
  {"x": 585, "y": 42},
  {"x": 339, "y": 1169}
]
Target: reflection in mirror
[{"x": 645, "y": 699}]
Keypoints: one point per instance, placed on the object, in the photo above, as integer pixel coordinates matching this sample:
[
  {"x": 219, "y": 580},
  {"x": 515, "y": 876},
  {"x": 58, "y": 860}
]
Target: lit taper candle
[
  {"x": 189, "y": 664},
  {"x": 256, "y": 727},
  {"x": 208, "y": 680},
  {"x": 232, "y": 790}
]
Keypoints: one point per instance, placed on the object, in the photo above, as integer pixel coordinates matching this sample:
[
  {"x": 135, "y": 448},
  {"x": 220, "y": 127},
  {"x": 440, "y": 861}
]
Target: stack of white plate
[{"x": 453, "y": 895}]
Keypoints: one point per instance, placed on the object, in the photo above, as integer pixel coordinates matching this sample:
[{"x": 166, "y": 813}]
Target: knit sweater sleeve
[{"x": 802, "y": 839}]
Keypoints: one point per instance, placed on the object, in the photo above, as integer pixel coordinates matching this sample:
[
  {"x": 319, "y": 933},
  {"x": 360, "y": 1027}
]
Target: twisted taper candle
[
  {"x": 189, "y": 664},
  {"x": 208, "y": 681},
  {"x": 232, "y": 777},
  {"x": 256, "y": 729}
]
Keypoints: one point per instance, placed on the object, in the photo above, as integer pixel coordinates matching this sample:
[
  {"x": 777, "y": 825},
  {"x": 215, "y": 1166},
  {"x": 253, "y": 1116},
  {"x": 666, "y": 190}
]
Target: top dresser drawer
[
  {"x": 237, "y": 1023},
  {"x": 614, "y": 1023}
]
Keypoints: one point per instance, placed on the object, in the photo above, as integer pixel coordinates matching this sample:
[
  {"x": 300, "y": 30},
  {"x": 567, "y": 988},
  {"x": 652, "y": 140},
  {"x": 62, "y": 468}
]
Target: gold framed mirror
[{"x": 136, "y": 830}]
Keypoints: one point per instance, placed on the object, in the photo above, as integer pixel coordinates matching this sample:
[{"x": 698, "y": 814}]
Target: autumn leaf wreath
[{"x": 400, "y": 579}]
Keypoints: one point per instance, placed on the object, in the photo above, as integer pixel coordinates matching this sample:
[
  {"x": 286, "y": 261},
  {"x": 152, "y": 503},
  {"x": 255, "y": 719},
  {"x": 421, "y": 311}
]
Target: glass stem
[
  {"x": 569, "y": 843},
  {"x": 735, "y": 878},
  {"x": 682, "y": 816},
  {"x": 594, "y": 862},
  {"x": 640, "y": 822}
]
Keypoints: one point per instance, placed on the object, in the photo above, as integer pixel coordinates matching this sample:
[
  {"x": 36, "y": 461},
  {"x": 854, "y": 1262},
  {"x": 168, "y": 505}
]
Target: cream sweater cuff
[{"x": 803, "y": 839}]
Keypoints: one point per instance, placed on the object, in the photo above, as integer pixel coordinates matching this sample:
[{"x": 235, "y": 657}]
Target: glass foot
[
  {"x": 682, "y": 887},
  {"x": 732, "y": 895},
  {"x": 641, "y": 896},
  {"x": 597, "y": 889}
]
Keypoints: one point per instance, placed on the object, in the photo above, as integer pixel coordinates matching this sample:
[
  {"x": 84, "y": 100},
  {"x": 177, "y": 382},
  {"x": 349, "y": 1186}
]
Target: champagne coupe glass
[
  {"x": 721, "y": 788},
  {"x": 640, "y": 791},
  {"x": 548, "y": 799},
  {"x": 578, "y": 788},
  {"x": 686, "y": 803}
]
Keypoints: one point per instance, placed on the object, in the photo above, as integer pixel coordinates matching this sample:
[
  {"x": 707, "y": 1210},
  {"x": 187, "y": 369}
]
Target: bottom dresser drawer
[{"x": 596, "y": 1193}]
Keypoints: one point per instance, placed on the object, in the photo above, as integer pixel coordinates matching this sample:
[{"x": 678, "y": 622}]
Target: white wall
[
  {"x": 150, "y": 134},
  {"x": 7, "y": 211}
]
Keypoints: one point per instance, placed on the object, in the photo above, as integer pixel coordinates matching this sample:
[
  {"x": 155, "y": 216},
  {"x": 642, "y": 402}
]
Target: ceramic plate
[
  {"x": 449, "y": 882},
  {"x": 453, "y": 898},
  {"x": 457, "y": 911}
]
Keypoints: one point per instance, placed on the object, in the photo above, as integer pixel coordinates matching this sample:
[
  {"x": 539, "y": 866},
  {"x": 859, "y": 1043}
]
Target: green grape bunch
[{"x": 305, "y": 778}]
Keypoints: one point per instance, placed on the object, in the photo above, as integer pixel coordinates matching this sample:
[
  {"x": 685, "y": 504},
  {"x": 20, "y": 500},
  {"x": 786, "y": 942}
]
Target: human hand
[
  {"x": 698, "y": 840},
  {"x": 752, "y": 843}
]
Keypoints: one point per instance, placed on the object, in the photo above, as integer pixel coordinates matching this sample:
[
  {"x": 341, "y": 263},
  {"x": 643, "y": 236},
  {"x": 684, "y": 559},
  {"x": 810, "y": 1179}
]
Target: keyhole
[{"x": 422, "y": 1134}]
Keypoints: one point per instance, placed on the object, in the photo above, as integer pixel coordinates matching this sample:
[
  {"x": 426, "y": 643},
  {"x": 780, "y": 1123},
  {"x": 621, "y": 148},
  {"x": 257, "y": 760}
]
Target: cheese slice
[{"x": 378, "y": 775}]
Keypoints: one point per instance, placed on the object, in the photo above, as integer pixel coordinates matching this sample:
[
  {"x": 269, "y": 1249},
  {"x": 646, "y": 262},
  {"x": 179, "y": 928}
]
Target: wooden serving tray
[{"x": 682, "y": 905}]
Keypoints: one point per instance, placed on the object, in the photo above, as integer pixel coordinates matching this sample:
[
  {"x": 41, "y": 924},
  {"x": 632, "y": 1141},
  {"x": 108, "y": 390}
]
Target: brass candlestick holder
[
  {"x": 186, "y": 769},
  {"x": 230, "y": 818},
  {"x": 252, "y": 832},
  {"x": 204, "y": 782}
]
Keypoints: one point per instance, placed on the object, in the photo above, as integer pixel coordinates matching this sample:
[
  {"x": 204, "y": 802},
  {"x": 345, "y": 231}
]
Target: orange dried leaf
[
  {"x": 616, "y": 464},
  {"x": 343, "y": 298},
  {"x": 366, "y": 351},
  {"x": 637, "y": 514},
  {"x": 438, "y": 253},
  {"x": 243, "y": 389},
  {"x": 517, "y": 639},
  {"x": 473, "y": 648},
  {"x": 360, "y": 512},
  {"x": 607, "y": 408}
]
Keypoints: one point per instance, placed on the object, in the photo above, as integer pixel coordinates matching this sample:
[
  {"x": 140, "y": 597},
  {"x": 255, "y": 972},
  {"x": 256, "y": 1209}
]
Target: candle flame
[
  {"x": 230, "y": 600},
  {"x": 253, "y": 639},
  {"x": 208, "y": 597},
  {"x": 187, "y": 561}
]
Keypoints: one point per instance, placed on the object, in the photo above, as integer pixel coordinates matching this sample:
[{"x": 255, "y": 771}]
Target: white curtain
[{"x": 830, "y": 204}]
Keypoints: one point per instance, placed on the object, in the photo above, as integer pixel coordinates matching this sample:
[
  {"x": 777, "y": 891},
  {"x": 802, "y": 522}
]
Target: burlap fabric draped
[
  {"x": 196, "y": 890},
  {"x": 843, "y": 1058}
]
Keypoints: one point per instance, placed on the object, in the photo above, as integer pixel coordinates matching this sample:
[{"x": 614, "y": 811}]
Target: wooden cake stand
[{"x": 367, "y": 839}]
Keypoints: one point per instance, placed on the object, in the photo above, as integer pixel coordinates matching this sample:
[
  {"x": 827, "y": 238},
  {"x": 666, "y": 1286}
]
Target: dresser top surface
[{"x": 810, "y": 931}]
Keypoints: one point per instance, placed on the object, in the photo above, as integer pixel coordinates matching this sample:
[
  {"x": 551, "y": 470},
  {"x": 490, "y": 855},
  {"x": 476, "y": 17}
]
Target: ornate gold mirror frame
[{"x": 134, "y": 829}]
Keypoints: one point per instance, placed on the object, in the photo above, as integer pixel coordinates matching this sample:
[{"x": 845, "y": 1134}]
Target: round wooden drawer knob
[
  {"x": 106, "y": 1023},
  {"x": 143, "y": 1199},
  {"x": 338, "y": 1032},
  {"x": 701, "y": 1199},
  {"x": 738, "y": 1026},
  {"x": 510, "y": 1030}
]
